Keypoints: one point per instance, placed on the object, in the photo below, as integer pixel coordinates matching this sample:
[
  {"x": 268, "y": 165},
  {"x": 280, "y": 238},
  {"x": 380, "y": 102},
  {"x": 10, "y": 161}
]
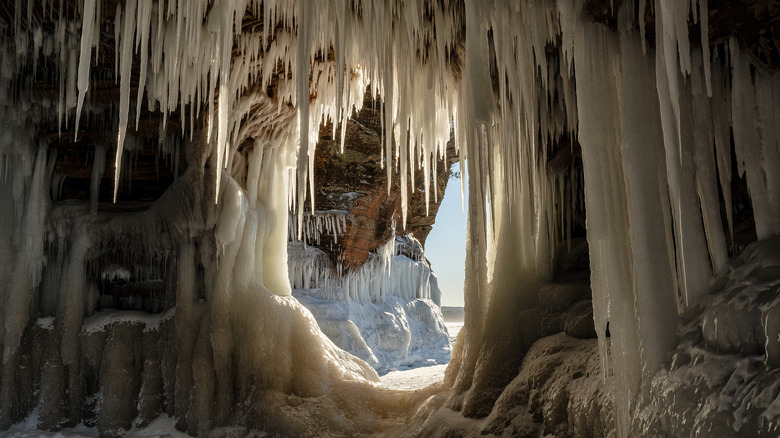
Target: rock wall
[{"x": 356, "y": 181}]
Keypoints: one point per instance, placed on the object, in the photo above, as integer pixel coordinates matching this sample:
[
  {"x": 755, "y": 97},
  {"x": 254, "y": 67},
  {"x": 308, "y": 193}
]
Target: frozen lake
[{"x": 420, "y": 377}]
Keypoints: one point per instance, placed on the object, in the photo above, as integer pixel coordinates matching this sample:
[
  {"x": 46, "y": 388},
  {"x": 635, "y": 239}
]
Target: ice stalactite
[
  {"x": 98, "y": 169},
  {"x": 126, "y": 63},
  {"x": 24, "y": 275},
  {"x": 595, "y": 58},
  {"x": 650, "y": 245},
  {"x": 87, "y": 32},
  {"x": 693, "y": 268},
  {"x": 755, "y": 149},
  {"x": 332, "y": 223},
  {"x": 637, "y": 262},
  {"x": 503, "y": 129}
]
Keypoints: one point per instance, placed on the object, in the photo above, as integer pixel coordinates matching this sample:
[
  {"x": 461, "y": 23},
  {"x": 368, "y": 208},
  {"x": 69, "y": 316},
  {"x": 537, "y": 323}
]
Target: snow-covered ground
[
  {"x": 422, "y": 376},
  {"x": 163, "y": 426}
]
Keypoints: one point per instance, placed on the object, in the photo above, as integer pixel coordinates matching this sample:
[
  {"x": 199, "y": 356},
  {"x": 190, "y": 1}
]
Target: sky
[{"x": 445, "y": 246}]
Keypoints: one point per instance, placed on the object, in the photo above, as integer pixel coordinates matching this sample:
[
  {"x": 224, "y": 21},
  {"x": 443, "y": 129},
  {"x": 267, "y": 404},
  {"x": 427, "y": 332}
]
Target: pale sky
[{"x": 445, "y": 246}]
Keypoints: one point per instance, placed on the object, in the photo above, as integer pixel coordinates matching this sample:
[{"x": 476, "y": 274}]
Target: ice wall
[{"x": 397, "y": 268}]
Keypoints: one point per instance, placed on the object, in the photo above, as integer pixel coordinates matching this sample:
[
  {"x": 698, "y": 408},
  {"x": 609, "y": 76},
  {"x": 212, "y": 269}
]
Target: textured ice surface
[
  {"x": 724, "y": 378},
  {"x": 388, "y": 334},
  {"x": 420, "y": 376},
  {"x": 559, "y": 391},
  {"x": 397, "y": 268}
]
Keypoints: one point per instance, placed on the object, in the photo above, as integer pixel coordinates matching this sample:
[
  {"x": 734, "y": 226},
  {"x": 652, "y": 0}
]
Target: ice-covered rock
[
  {"x": 740, "y": 313},
  {"x": 384, "y": 312},
  {"x": 388, "y": 334},
  {"x": 723, "y": 378}
]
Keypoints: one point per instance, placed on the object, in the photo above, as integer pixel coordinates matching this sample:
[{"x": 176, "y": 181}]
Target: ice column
[
  {"x": 651, "y": 245},
  {"x": 597, "y": 62}
]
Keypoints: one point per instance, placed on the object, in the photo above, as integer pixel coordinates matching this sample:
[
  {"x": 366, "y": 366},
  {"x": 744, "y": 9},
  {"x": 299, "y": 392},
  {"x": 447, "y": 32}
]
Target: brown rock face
[{"x": 355, "y": 181}]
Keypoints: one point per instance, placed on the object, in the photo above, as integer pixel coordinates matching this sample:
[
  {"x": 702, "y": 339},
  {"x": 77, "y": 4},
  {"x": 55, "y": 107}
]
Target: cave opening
[{"x": 353, "y": 263}]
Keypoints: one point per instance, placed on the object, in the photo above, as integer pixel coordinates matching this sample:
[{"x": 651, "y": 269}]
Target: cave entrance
[{"x": 363, "y": 274}]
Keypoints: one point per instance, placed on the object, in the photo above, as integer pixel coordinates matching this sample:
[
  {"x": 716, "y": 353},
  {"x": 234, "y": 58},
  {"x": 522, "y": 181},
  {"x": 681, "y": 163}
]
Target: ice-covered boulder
[
  {"x": 388, "y": 334},
  {"x": 741, "y": 313},
  {"x": 386, "y": 312},
  {"x": 723, "y": 378}
]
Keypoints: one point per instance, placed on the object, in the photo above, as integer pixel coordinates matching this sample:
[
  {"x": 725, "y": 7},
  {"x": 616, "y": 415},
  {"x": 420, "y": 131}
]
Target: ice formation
[
  {"x": 250, "y": 82},
  {"x": 386, "y": 312},
  {"x": 397, "y": 268}
]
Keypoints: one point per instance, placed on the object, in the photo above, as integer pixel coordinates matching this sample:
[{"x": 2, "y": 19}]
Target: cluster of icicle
[
  {"x": 389, "y": 271},
  {"x": 318, "y": 224},
  {"x": 311, "y": 268},
  {"x": 654, "y": 126},
  {"x": 195, "y": 57}
]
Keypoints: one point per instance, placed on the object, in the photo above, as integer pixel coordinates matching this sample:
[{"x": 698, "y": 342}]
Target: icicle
[
  {"x": 641, "y": 20},
  {"x": 87, "y": 28},
  {"x": 722, "y": 135},
  {"x": 478, "y": 78},
  {"x": 98, "y": 167},
  {"x": 747, "y": 141},
  {"x": 117, "y": 32},
  {"x": 142, "y": 31},
  {"x": 124, "y": 88},
  {"x": 704, "y": 21},
  {"x": 651, "y": 245},
  {"x": 595, "y": 56},
  {"x": 303, "y": 70},
  {"x": 706, "y": 178},
  {"x": 96, "y": 32}
]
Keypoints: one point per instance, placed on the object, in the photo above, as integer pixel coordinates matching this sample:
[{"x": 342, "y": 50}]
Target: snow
[
  {"x": 100, "y": 320},
  {"x": 414, "y": 378},
  {"x": 717, "y": 383},
  {"x": 163, "y": 426},
  {"x": 417, "y": 377}
]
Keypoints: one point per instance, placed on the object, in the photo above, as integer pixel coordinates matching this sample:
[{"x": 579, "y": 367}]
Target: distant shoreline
[{"x": 452, "y": 314}]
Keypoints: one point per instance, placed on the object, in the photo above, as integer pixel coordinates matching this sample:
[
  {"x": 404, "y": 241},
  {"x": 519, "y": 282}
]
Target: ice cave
[{"x": 213, "y": 217}]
